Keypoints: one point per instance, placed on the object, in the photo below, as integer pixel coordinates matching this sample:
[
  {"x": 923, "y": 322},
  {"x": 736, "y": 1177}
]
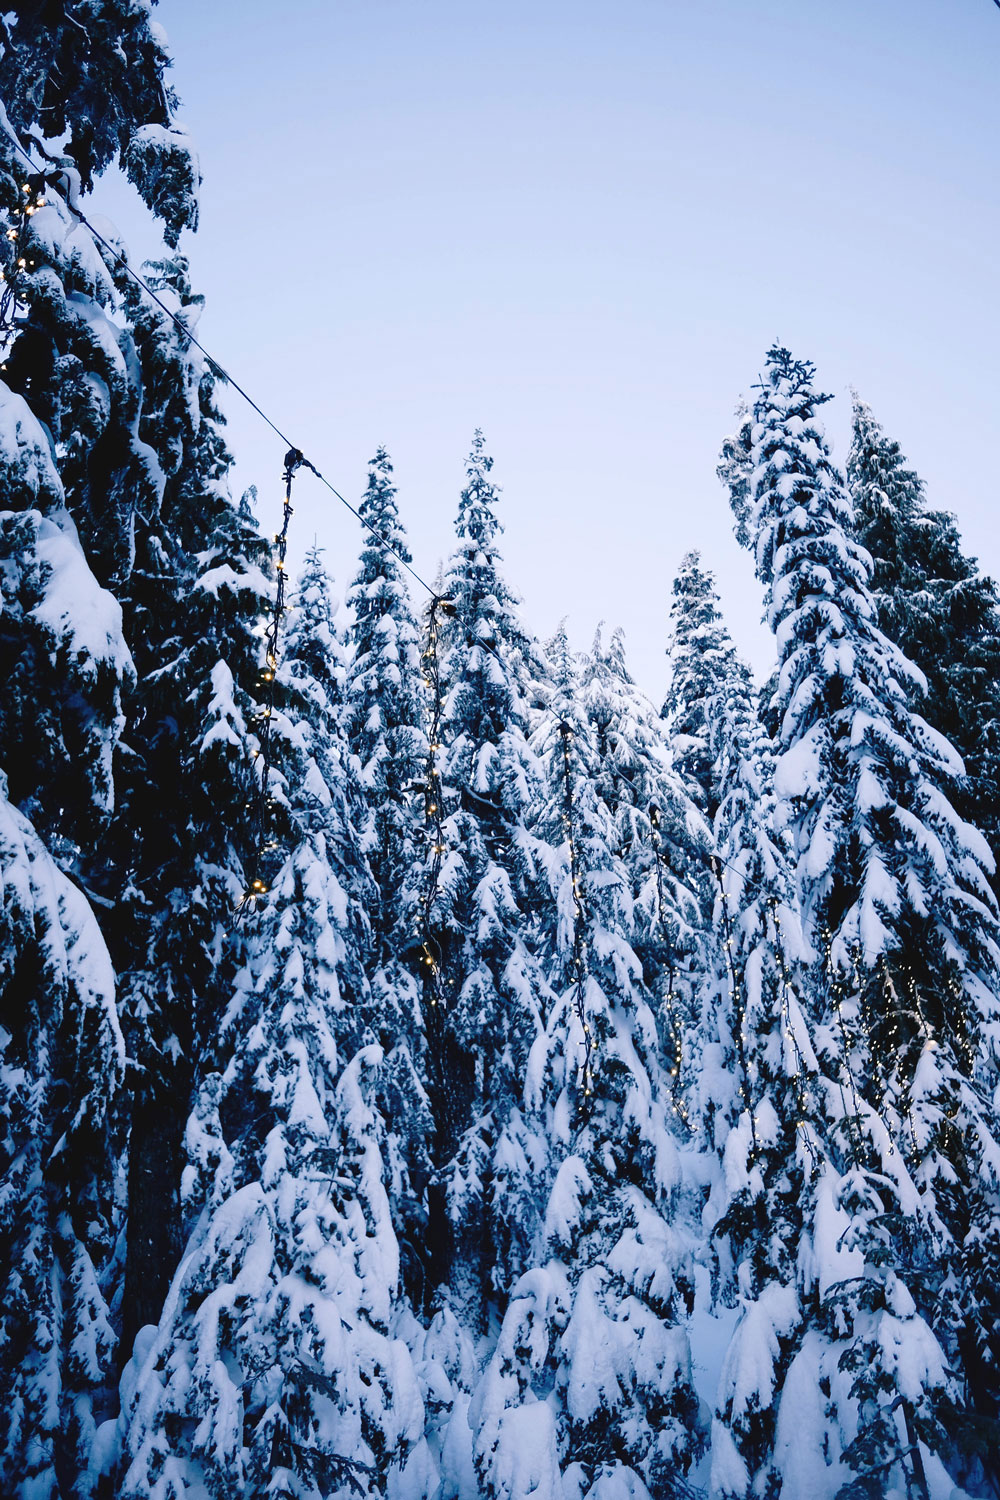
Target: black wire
[{"x": 221, "y": 370}]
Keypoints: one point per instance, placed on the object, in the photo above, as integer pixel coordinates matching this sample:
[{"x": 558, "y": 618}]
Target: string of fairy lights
[
  {"x": 263, "y": 843},
  {"x": 430, "y": 956},
  {"x": 11, "y": 301},
  {"x": 33, "y": 197}
]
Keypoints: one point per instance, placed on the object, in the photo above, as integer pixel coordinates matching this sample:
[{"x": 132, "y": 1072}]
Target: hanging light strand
[
  {"x": 579, "y": 916},
  {"x": 12, "y": 301},
  {"x": 257, "y": 886}
]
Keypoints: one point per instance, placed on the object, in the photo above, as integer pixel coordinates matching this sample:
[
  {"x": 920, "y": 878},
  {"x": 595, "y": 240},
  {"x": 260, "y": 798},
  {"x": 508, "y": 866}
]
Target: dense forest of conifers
[{"x": 415, "y": 1046}]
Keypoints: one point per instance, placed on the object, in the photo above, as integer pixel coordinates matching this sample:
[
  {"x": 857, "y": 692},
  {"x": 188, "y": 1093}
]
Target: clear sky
[{"x": 580, "y": 226}]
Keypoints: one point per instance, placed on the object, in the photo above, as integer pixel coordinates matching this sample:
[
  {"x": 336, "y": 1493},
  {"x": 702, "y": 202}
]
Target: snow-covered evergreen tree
[
  {"x": 384, "y": 718},
  {"x": 940, "y": 610},
  {"x": 275, "y": 1369},
  {"x": 384, "y": 702},
  {"x": 61, "y": 1050},
  {"x": 481, "y": 883},
  {"x": 588, "y": 1390},
  {"x": 798, "y": 1214},
  {"x": 182, "y": 842},
  {"x": 72, "y": 472},
  {"x": 663, "y": 841},
  {"x": 897, "y": 909},
  {"x": 700, "y": 653}
]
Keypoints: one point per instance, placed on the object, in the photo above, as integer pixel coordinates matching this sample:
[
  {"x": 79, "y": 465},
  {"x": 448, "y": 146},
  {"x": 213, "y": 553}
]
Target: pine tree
[
  {"x": 61, "y": 1050},
  {"x": 384, "y": 712},
  {"x": 797, "y": 1228},
  {"x": 74, "y": 470},
  {"x": 897, "y": 909},
  {"x": 662, "y": 839},
  {"x": 588, "y": 1390},
  {"x": 384, "y": 707},
  {"x": 182, "y": 842},
  {"x": 480, "y": 883},
  {"x": 700, "y": 653},
  {"x": 275, "y": 1368},
  {"x": 934, "y": 603}
]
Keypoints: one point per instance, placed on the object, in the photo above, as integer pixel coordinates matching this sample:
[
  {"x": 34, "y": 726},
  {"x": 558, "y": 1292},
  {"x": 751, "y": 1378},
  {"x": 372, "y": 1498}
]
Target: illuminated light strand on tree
[
  {"x": 676, "y": 1032},
  {"x": 262, "y": 844},
  {"x": 430, "y": 953},
  {"x": 739, "y": 1011},
  {"x": 579, "y": 942},
  {"x": 11, "y": 300}
]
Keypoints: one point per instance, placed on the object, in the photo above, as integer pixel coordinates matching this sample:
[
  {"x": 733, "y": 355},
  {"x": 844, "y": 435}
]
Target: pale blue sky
[{"x": 580, "y": 226}]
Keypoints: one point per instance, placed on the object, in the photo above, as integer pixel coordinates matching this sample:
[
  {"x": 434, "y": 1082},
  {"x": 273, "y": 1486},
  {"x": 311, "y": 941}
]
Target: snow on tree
[
  {"x": 384, "y": 706},
  {"x": 95, "y": 85},
  {"x": 588, "y": 1389},
  {"x": 99, "y": 84},
  {"x": 481, "y": 882},
  {"x": 62, "y": 1059},
  {"x": 661, "y": 837},
  {"x": 700, "y": 652},
  {"x": 384, "y": 719},
  {"x": 275, "y": 1367},
  {"x": 735, "y": 472},
  {"x": 932, "y": 600},
  {"x": 181, "y": 846},
  {"x": 61, "y": 1050},
  {"x": 897, "y": 909},
  {"x": 804, "y": 1383}
]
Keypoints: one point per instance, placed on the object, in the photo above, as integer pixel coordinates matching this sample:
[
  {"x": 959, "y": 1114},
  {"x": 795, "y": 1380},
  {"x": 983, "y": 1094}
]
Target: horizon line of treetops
[{"x": 570, "y": 1047}]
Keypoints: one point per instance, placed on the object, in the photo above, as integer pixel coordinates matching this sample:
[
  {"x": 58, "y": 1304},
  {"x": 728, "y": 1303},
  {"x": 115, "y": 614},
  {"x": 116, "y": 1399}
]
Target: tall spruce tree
[
  {"x": 588, "y": 1390},
  {"x": 384, "y": 719},
  {"x": 61, "y": 1049},
  {"x": 275, "y": 1369},
  {"x": 662, "y": 839},
  {"x": 481, "y": 882},
  {"x": 384, "y": 703},
  {"x": 940, "y": 610},
  {"x": 830, "y": 1369},
  {"x": 182, "y": 842},
  {"x": 74, "y": 472},
  {"x": 699, "y": 652},
  {"x": 897, "y": 908}
]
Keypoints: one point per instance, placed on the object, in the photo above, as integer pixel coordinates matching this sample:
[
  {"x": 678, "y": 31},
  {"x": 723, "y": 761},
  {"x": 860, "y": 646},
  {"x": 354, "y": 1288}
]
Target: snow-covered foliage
[
  {"x": 559, "y": 1039},
  {"x": 384, "y": 707},
  {"x": 61, "y": 1065},
  {"x": 897, "y": 975},
  {"x": 700, "y": 652},
  {"x": 484, "y": 993},
  {"x": 275, "y": 1368},
  {"x": 935, "y": 604},
  {"x": 588, "y": 1390},
  {"x": 74, "y": 473}
]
